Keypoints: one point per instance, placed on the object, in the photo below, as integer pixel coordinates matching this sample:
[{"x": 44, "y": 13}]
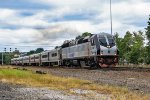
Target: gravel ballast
[
  {"x": 17, "y": 92},
  {"x": 134, "y": 80}
]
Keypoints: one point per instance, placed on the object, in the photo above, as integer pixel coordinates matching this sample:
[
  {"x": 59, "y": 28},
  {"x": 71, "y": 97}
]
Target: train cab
[{"x": 104, "y": 48}]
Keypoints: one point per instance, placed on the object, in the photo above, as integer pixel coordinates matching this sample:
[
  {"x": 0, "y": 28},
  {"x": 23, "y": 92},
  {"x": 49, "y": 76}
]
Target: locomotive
[{"x": 97, "y": 50}]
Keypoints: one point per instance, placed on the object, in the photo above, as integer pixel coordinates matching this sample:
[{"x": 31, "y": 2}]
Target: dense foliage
[
  {"x": 148, "y": 45},
  {"x": 133, "y": 48},
  {"x": 38, "y": 50}
]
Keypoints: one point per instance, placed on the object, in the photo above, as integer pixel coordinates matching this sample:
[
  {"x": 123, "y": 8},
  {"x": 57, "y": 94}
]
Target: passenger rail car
[{"x": 95, "y": 50}]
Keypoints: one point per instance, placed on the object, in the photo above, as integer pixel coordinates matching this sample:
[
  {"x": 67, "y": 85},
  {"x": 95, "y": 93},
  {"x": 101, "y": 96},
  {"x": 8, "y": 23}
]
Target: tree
[
  {"x": 16, "y": 52},
  {"x": 131, "y": 47},
  {"x": 148, "y": 45},
  {"x": 86, "y": 34},
  {"x": 57, "y": 47},
  {"x": 126, "y": 44},
  {"x": 39, "y": 50},
  {"x": 137, "y": 49},
  {"x": 148, "y": 31},
  {"x": 83, "y": 35},
  {"x": 119, "y": 44},
  {"x": 30, "y": 52},
  {"x": 78, "y": 37},
  {"x": 7, "y": 58}
]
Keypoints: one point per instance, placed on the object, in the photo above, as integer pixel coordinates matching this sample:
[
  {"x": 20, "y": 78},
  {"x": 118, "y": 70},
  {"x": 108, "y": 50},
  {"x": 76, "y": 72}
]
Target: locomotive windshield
[
  {"x": 111, "y": 41},
  {"x": 102, "y": 41}
]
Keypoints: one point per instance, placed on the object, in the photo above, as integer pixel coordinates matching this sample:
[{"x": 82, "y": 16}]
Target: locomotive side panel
[
  {"x": 76, "y": 52},
  {"x": 72, "y": 52},
  {"x": 83, "y": 50},
  {"x": 65, "y": 53}
]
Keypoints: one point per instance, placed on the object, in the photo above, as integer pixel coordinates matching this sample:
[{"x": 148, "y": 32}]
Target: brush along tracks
[
  {"x": 137, "y": 79},
  {"x": 136, "y": 69}
]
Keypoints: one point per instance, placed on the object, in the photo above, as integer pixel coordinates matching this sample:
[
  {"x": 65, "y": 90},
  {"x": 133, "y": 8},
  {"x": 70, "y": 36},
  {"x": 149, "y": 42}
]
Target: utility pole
[
  {"x": 2, "y": 58},
  {"x": 111, "y": 18}
]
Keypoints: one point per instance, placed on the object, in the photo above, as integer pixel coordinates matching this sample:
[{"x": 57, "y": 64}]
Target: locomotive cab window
[
  {"x": 102, "y": 41},
  {"x": 111, "y": 41}
]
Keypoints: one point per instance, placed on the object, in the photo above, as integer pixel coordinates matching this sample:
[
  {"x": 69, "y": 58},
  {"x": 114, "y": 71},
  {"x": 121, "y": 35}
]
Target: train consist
[{"x": 95, "y": 50}]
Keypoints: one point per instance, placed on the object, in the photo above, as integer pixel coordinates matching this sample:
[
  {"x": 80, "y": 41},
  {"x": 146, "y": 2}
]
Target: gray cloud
[{"x": 50, "y": 26}]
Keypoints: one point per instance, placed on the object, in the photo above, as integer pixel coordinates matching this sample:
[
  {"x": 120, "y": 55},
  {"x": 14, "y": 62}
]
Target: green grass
[{"x": 30, "y": 78}]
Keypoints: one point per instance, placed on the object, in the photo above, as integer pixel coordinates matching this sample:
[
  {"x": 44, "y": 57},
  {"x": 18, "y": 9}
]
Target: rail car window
[
  {"x": 111, "y": 41},
  {"x": 32, "y": 58},
  {"x": 36, "y": 57},
  {"x": 102, "y": 41},
  {"x": 26, "y": 59},
  {"x": 54, "y": 54},
  {"x": 44, "y": 56}
]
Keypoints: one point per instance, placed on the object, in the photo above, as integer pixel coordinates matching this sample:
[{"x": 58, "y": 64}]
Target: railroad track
[{"x": 135, "y": 69}]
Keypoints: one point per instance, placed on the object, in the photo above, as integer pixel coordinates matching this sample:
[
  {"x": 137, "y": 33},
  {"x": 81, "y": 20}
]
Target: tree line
[{"x": 134, "y": 47}]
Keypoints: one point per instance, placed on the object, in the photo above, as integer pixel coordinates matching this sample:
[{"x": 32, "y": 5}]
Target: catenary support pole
[{"x": 111, "y": 18}]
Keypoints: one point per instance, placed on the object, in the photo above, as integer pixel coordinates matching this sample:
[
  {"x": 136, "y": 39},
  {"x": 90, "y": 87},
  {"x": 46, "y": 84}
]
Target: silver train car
[
  {"x": 96, "y": 50},
  {"x": 46, "y": 58}
]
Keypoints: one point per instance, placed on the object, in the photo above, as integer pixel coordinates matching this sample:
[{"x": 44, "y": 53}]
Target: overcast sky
[{"x": 28, "y": 24}]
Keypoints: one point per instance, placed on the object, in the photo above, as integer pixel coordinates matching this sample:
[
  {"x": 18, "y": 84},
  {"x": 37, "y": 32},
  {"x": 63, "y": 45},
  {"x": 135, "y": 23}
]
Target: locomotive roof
[{"x": 105, "y": 34}]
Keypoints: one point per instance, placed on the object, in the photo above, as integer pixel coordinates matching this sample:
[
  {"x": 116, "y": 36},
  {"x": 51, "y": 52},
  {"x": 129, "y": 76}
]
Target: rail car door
[{"x": 92, "y": 47}]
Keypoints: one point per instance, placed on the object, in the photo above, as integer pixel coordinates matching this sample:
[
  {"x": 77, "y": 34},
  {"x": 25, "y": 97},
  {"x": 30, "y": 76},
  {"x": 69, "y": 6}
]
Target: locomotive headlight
[
  {"x": 101, "y": 53},
  {"x": 115, "y": 52},
  {"x": 108, "y": 46}
]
